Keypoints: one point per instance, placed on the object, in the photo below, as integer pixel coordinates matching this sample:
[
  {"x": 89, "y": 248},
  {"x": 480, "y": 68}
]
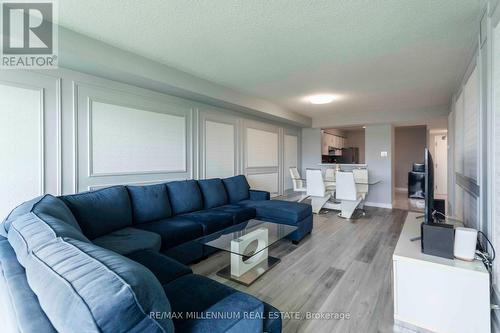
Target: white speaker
[{"x": 465, "y": 243}]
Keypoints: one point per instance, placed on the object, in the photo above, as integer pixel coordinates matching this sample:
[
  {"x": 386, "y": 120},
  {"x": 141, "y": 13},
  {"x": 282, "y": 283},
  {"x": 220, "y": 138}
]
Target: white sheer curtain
[{"x": 496, "y": 157}]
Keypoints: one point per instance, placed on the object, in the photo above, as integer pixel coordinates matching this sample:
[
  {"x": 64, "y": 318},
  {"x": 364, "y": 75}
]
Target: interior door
[{"x": 441, "y": 164}]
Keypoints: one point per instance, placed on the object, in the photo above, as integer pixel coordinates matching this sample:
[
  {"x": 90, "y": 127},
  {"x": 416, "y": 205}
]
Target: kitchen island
[{"x": 343, "y": 166}]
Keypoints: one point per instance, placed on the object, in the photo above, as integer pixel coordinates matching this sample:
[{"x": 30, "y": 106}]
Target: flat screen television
[{"x": 429, "y": 187}]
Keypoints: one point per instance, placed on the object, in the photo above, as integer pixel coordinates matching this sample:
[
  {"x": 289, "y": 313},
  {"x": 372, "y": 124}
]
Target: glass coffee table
[{"x": 247, "y": 243}]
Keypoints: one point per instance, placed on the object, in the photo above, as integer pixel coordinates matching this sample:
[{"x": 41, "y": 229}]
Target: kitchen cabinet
[{"x": 329, "y": 140}]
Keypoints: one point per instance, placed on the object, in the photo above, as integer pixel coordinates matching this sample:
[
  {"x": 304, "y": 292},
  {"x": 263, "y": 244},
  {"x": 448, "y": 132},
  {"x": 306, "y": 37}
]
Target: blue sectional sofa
[{"x": 113, "y": 260}]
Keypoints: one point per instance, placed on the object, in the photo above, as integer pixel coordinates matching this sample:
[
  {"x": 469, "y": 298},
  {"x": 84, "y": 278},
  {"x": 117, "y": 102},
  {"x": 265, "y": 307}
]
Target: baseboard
[
  {"x": 401, "y": 189},
  {"x": 378, "y": 204}
]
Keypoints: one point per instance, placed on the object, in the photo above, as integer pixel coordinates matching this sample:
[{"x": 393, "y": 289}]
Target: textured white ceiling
[{"x": 376, "y": 54}]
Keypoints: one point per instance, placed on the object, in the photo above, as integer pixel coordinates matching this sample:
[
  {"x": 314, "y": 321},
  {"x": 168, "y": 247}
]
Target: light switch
[{"x": 383, "y": 154}]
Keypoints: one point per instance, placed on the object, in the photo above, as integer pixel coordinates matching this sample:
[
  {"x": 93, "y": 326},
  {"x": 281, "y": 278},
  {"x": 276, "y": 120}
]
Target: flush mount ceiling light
[{"x": 321, "y": 99}]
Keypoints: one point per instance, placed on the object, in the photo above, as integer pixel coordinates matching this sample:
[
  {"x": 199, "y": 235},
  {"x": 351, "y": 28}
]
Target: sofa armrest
[
  {"x": 257, "y": 195},
  {"x": 238, "y": 312}
]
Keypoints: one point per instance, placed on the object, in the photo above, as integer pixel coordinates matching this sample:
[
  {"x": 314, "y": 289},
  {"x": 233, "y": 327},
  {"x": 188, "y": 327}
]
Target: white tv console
[{"x": 433, "y": 294}]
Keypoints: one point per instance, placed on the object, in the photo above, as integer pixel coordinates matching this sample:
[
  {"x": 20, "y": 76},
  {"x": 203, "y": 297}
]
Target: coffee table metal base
[{"x": 252, "y": 275}]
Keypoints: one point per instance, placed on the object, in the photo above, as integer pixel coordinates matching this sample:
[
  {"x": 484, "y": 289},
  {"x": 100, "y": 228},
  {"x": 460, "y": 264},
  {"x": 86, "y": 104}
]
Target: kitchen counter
[{"x": 344, "y": 164}]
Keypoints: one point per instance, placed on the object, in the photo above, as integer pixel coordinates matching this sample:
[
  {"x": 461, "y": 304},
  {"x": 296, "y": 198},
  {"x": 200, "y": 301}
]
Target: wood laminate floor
[{"x": 342, "y": 267}]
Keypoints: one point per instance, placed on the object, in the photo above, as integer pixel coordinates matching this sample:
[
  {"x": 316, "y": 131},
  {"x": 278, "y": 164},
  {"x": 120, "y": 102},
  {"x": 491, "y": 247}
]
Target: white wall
[
  {"x": 410, "y": 143},
  {"x": 380, "y": 138},
  {"x": 64, "y": 132},
  {"x": 311, "y": 149}
]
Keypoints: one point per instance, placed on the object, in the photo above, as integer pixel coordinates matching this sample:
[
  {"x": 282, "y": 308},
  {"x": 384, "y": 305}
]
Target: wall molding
[
  {"x": 90, "y": 145},
  {"x": 285, "y": 171},
  {"x": 85, "y": 93},
  {"x": 75, "y": 94},
  {"x": 274, "y": 175},
  {"x": 41, "y": 127},
  {"x": 65, "y": 100},
  {"x": 46, "y": 91},
  {"x": 139, "y": 183},
  {"x": 59, "y": 134},
  {"x": 42, "y": 140},
  {"x": 217, "y": 117},
  {"x": 264, "y": 129}
]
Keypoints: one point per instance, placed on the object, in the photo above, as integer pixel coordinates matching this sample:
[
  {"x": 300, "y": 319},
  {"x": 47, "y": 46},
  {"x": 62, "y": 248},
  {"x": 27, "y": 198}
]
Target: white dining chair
[
  {"x": 299, "y": 185},
  {"x": 329, "y": 175},
  {"x": 361, "y": 179},
  {"x": 330, "y": 179},
  {"x": 360, "y": 175},
  {"x": 347, "y": 193},
  {"x": 318, "y": 192}
]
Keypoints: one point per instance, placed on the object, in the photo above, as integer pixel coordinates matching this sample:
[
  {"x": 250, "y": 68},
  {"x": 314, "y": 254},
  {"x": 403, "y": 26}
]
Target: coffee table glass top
[{"x": 222, "y": 239}]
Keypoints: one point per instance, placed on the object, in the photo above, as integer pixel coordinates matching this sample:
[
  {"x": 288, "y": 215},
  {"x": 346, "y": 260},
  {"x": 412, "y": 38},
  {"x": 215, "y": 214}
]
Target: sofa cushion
[
  {"x": 164, "y": 268},
  {"x": 212, "y": 297},
  {"x": 128, "y": 240},
  {"x": 28, "y": 232},
  {"x": 82, "y": 285},
  {"x": 259, "y": 195},
  {"x": 186, "y": 253},
  {"x": 38, "y": 227},
  {"x": 214, "y": 193},
  {"x": 280, "y": 211},
  {"x": 211, "y": 220},
  {"x": 19, "y": 210},
  {"x": 43, "y": 205},
  {"x": 185, "y": 196},
  {"x": 149, "y": 203},
  {"x": 24, "y": 313},
  {"x": 173, "y": 231},
  {"x": 237, "y": 188},
  {"x": 102, "y": 211},
  {"x": 238, "y": 213}
]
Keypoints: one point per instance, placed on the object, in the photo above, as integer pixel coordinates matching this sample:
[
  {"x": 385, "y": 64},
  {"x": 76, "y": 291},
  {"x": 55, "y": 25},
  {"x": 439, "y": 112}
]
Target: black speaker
[{"x": 438, "y": 239}]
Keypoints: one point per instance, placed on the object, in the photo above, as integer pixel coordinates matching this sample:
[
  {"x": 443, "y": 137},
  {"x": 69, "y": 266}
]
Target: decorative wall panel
[
  {"x": 126, "y": 140},
  {"x": 219, "y": 149}
]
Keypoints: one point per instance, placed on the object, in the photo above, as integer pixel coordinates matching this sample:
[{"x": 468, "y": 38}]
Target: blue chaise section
[{"x": 278, "y": 211}]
